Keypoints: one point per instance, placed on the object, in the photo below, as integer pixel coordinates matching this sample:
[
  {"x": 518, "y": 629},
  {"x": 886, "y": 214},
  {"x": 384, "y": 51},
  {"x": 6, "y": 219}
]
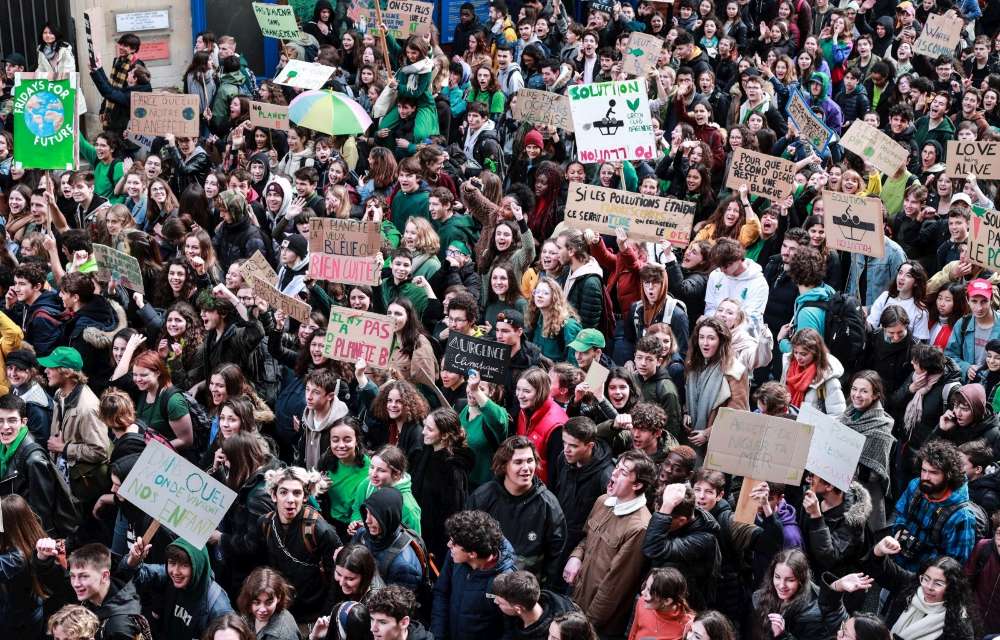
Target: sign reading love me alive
[
  {"x": 490, "y": 358},
  {"x": 542, "y": 108},
  {"x": 765, "y": 175},
  {"x": 835, "y": 448},
  {"x": 641, "y": 53},
  {"x": 808, "y": 123},
  {"x": 853, "y": 224},
  {"x": 177, "y": 494},
  {"x": 304, "y": 75},
  {"x": 157, "y": 114},
  {"x": 644, "y": 218},
  {"x": 269, "y": 116},
  {"x": 758, "y": 446},
  {"x": 874, "y": 147},
  {"x": 612, "y": 121},
  {"x": 353, "y": 334},
  {"x": 276, "y": 21},
  {"x": 940, "y": 36},
  {"x": 120, "y": 266},
  {"x": 46, "y": 129},
  {"x": 984, "y": 238},
  {"x": 981, "y": 158}
]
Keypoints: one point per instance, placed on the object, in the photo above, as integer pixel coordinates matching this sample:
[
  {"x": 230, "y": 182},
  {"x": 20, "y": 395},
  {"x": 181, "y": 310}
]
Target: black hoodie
[
  {"x": 332, "y": 37},
  {"x": 440, "y": 486},
  {"x": 578, "y": 487}
]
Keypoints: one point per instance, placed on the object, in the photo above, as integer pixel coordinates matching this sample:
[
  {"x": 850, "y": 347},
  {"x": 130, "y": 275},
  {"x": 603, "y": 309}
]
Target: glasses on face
[
  {"x": 12, "y": 421},
  {"x": 927, "y": 581}
]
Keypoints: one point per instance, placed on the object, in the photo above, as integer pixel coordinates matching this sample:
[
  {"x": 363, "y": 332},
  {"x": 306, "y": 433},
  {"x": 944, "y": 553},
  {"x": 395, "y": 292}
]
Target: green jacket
[
  {"x": 458, "y": 227},
  {"x": 405, "y": 205},
  {"x": 230, "y": 86},
  {"x": 494, "y": 100},
  {"x": 941, "y": 134},
  {"x": 491, "y": 425},
  {"x": 106, "y": 176},
  {"x": 411, "y": 510},
  {"x": 391, "y": 291}
]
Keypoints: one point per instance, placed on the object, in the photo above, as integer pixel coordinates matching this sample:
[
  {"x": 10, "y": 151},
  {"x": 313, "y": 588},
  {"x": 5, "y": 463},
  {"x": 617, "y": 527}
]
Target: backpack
[
  {"x": 309, "y": 518},
  {"x": 943, "y": 514},
  {"x": 488, "y": 152},
  {"x": 201, "y": 424},
  {"x": 66, "y": 514},
  {"x": 408, "y": 538},
  {"x": 845, "y": 330}
]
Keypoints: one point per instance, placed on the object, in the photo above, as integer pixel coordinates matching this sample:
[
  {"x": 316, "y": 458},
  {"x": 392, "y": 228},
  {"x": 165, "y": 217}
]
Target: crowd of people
[{"x": 412, "y": 501}]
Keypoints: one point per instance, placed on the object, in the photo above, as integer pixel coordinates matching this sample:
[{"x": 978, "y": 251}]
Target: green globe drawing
[{"x": 43, "y": 114}]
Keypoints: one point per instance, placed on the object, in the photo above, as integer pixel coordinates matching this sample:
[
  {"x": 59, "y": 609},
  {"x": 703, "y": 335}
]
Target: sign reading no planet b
[
  {"x": 177, "y": 494},
  {"x": 276, "y": 21},
  {"x": 353, "y": 334},
  {"x": 612, "y": 121},
  {"x": 491, "y": 359},
  {"x": 644, "y": 218},
  {"x": 269, "y": 116},
  {"x": 765, "y": 176},
  {"x": 157, "y": 114},
  {"x": 984, "y": 238},
  {"x": 45, "y": 122}
]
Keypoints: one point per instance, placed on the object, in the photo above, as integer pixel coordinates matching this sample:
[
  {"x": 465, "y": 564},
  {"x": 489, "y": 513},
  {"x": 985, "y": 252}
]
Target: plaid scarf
[{"x": 118, "y": 79}]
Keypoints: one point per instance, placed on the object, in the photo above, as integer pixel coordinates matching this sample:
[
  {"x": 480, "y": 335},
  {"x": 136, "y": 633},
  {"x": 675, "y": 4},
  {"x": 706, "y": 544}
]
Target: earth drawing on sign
[{"x": 43, "y": 114}]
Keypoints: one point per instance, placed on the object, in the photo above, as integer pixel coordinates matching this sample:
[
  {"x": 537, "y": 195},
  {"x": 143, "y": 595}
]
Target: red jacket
[
  {"x": 624, "y": 271},
  {"x": 546, "y": 419},
  {"x": 706, "y": 133}
]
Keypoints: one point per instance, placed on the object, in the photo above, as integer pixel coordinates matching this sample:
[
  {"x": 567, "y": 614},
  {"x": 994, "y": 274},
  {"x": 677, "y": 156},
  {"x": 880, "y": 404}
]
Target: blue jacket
[
  {"x": 461, "y": 609},
  {"x": 958, "y": 536},
  {"x": 881, "y": 272},
  {"x": 961, "y": 346},
  {"x": 809, "y": 317},
  {"x": 405, "y": 569}
]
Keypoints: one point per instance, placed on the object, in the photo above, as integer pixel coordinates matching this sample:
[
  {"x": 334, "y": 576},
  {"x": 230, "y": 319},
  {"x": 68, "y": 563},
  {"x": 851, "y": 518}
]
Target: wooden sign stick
[
  {"x": 385, "y": 45},
  {"x": 746, "y": 508},
  {"x": 147, "y": 537}
]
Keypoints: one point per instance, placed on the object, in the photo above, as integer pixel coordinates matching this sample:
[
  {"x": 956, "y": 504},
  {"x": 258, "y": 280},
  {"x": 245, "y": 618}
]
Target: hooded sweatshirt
[
  {"x": 386, "y": 506},
  {"x": 749, "y": 287},
  {"x": 411, "y": 510},
  {"x": 832, "y": 115},
  {"x": 983, "y": 425}
]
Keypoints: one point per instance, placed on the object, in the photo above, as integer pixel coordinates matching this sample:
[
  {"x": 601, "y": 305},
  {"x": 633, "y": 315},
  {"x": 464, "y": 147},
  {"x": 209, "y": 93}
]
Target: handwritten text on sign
[
  {"x": 269, "y": 116},
  {"x": 874, "y": 147},
  {"x": 258, "y": 267},
  {"x": 984, "y": 238},
  {"x": 491, "y": 359},
  {"x": 645, "y": 218},
  {"x": 355, "y": 334},
  {"x": 939, "y": 37},
  {"x": 807, "y": 122},
  {"x": 177, "y": 494},
  {"x": 304, "y": 75},
  {"x": 612, "y": 121},
  {"x": 344, "y": 269},
  {"x": 542, "y": 108},
  {"x": 835, "y": 448},
  {"x": 121, "y": 266},
  {"x": 981, "y": 158},
  {"x": 766, "y": 176},
  {"x": 157, "y": 114},
  {"x": 641, "y": 53},
  {"x": 853, "y": 224},
  {"x": 406, "y": 18},
  {"x": 276, "y": 21},
  {"x": 290, "y": 306},
  {"x": 344, "y": 236},
  {"x": 758, "y": 446}
]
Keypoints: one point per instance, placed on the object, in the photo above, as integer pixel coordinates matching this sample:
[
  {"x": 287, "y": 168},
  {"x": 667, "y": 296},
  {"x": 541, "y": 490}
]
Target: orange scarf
[{"x": 798, "y": 379}]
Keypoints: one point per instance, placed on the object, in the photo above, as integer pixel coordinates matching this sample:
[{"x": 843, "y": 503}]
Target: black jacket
[
  {"x": 441, "y": 487},
  {"x": 533, "y": 522},
  {"x": 30, "y": 475},
  {"x": 553, "y": 605},
  {"x": 87, "y": 330},
  {"x": 817, "y": 615},
  {"x": 193, "y": 170},
  {"x": 687, "y": 287},
  {"x": 782, "y": 292},
  {"x": 693, "y": 550},
  {"x": 240, "y": 535},
  {"x": 890, "y": 360},
  {"x": 985, "y": 491},
  {"x": 237, "y": 343},
  {"x": 119, "y": 99},
  {"x": 238, "y": 240},
  {"x": 577, "y": 488},
  {"x": 838, "y": 540},
  {"x": 932, "y": 406}
]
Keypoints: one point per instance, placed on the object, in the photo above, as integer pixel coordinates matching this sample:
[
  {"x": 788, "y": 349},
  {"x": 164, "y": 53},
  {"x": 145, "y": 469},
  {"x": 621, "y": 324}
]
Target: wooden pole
[
  {"x": 154, "y": 526},
  {"x": 746, "y": 508},
  {"x": 385, "y": 45}
]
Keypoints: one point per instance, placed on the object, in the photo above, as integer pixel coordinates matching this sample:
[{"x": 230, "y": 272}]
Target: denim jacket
[
  {"x": 881, "y": 272},
  {"x": 961, "y": 346}
]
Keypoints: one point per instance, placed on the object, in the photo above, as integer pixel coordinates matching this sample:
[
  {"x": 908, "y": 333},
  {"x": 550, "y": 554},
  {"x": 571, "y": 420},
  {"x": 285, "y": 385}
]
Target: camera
[{"x": 909, "y": 544}]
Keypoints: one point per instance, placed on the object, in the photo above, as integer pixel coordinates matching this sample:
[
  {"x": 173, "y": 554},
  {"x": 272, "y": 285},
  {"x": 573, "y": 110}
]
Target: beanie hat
[
  {"x": 297, "y": 244},
  {"x": 533, "y": 137}
]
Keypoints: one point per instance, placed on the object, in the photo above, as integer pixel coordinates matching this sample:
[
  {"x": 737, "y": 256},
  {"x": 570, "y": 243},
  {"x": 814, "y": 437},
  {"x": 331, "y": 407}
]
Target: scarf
[
  {"x": 921, "y": 620},
  {"x": 702, "y": 390},
  {"x": 798, "y": 380},
  {"x": 876, "y": 426},
  {"x": 6, "y": 453},
  {"x": 915, "y": 409}
]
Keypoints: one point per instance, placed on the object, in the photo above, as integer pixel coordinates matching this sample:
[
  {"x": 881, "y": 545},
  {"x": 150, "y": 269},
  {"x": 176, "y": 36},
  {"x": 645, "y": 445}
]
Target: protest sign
[
  {"x": 984, "y": 238},
  {"x": 157, "y": 114},
  {"x": 366, "y": 270},
  {"x": 120, "y": 266},
  {"x": 353, "y": 334},
  {"x": 257, "y": 267},
  {"x": 808, "y": 123},
  {"x": 291, "y": 306},
  {"x": 177, "y": 494},
  {"x": 940, "y": 36},
  {"x": 876, "y": 148},
  {"x": 981, "y": 158},
  {"x": 765, "y": 176},
  {"x": 644, "y": 218},
  {"x": 490, "y": 358},
  {"x": 344, "y": 236},
  {"x": 542, "y": 108},
  {"x": 93, "y": 26},
  {"x": 759, "y": 446},
  {"x": 276, "y": 20},
  {"x": 269, "y": 116},
  {"x": 835, "y": 448},
  {"x": 361, "y": 13},
  {"x": 304, "y": 75},
  {"x": 607, "y": 6},
  {"x": 406, "y": 18},
  {"x": 146, "y": 142},
  {"x": 612, "y": 121},
  {"x": 853, "y": 224},
  {"x": 641, "y": 53},
  {"x": 46, "y": 129},
  {"x": 597, "y": 375}
]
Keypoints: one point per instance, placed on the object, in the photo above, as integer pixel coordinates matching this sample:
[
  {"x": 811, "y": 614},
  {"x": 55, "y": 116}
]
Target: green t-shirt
[
  {"x": 152, "y": 417},
  {"x": 344, "y": 484}
]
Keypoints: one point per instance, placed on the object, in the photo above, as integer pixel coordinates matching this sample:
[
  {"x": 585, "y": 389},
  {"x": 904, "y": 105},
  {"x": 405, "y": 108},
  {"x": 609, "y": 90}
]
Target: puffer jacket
[
  {"x": 584, "y": 289},
  {"x": 824, "y": 392},
  {"x": 236, "y": 240},
  {"x": 91, "y": 331},
  {"x": 836, "y": 541},
  {"x": 461, "y": 609},
  {"x": 816, "y": 616},
  {"x": 545, "y": 421},
  {"x": 693, "y": 549}
]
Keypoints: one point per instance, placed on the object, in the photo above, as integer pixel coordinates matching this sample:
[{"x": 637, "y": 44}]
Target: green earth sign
[{"x": 45, "y": 124}]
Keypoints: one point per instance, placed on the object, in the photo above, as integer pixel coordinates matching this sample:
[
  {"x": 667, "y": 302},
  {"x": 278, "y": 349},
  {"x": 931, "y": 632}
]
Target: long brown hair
[
  {"x": 724, "y": 356},
  {"x": 246, "y": 452},
  {"x": 811, "y": 340},
  {"x": 21, "y": 532}
]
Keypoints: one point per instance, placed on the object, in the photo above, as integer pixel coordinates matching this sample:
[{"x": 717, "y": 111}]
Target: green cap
[
  {"x": 62, "y": 358},
  {"x": 460, "y": 247},
  {"x": 588, "y": 339}
]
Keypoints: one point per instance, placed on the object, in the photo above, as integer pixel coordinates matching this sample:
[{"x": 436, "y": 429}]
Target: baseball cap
[
  {"x": 980, "y": 287},
  {"x": 68, "y": 358},
  {"x": 512, "y": 317},
  {"x": 588, "y": 339},
  {"x": 23, "y": 359},
  {"x": 961, "y": 196}
]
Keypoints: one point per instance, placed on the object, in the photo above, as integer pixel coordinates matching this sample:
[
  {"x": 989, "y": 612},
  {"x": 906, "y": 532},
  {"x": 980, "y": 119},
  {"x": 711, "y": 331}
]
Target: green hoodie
[
  {"x": 411, "y": 510},
  {"x": 230, "y": 86},
  {"x": 183, "y": 609},
  {"x": 457, "y": 227}
]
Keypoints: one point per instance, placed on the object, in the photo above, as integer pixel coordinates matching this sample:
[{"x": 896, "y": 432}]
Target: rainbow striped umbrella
[{"x": 330, "y": 112}]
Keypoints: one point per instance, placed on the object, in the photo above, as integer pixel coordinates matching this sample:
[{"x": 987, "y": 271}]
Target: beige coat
[
  {"x": 65, "y": 62},
  {"x": 75, "y": 419}
]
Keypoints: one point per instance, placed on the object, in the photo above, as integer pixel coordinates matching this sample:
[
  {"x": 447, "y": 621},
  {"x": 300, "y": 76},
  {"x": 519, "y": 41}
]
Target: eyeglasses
[{"x": 926, "y": 580}]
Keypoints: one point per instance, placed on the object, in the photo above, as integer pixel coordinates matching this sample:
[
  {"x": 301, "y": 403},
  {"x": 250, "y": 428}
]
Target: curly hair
[
  {"x": 193, "y": 335},
  {"x": 807, "y": 267},
  {"x": 415, "y": 407},
  {"x": 164, "y": 294},
  {"x": 555, "y": 316},
  {"x": 944, "y": 456},
  {"x": 718, "y": 217},
  {"x": 75, "y": 621},
  {"x": 313, "y": 482},
  {"x": 959, "y": 605},
  {"x": 649, "y": 417},
  {"x": 476, "y": 532},
  {"x": 492, "y": 254},
  {"x": 505, "y": 453}
]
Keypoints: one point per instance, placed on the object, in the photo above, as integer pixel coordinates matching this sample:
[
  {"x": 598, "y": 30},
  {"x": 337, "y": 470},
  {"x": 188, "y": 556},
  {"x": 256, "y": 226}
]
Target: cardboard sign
[
  {"x": 292, "y": 307},
  {"x": 177, "y": 494},
  {"x": 597, "y": 375},
  {"x": 641, "y": 53},
  {"x": 344, "y": 236},
  {"x": 612, "y": 121},
  {"x": 46, "y": 129},
  {"x": 276, "y": 21},
  {"x": 542, "y": 108},
  {"x": 361, "y": 13},
  {"x": 304, "y": 75},
  {"x": 257, "y": 267},
  {"x": 758, "y": 446},
  {"x": 765, "y": 175},
  {"x": 835, "y": 448},
  {"x": 353, "y": 334},
  {"x": 645, "y": 218},
  {"x": 940, "y": 36},
  {"x": 984, "y": 238},
  {"x": 980, "y": 158},
  {"x": 808, "y": 123},
  {"x": 119, "y": 265},
  {"x": 93, "y": 26},
  {"x": 853, "y": 224},
  {"x": 490, "y": 358},
  {"x": 406, "y": 18},
  {"x": 157, "y": 114},
  {"x": 876, "y": 148},
  {"x": 269, "y": 116},
  {"x": 345, "y": 269}
]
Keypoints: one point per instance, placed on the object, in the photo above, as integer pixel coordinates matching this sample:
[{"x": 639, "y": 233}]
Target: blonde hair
[
  {"x": 345, "y": 200},
  {"x": 120, "y": 212},
  {"x": 428, "y": 241},
  {"x": 313, "y": 482},
  {"x": 76, "y": 622},
  {"x": 554, "y": 317}
]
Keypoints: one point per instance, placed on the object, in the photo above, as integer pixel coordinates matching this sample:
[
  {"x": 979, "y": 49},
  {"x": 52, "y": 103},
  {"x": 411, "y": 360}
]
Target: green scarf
[{"x": 6, "y": 453}]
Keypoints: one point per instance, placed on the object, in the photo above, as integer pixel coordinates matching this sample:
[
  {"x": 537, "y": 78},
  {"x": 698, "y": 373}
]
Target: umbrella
[{"x": 330, "y": 112}]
